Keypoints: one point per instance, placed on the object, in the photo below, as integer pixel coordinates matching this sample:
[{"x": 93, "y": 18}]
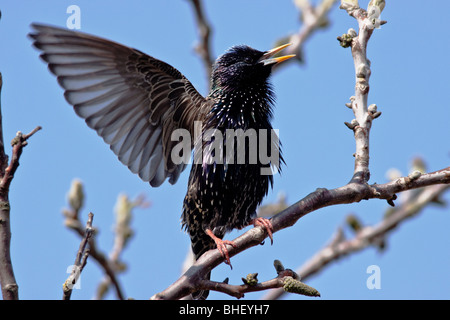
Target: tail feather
[
  {"x": 200, "y": 244},
  {"x": 201, "y": 294}
]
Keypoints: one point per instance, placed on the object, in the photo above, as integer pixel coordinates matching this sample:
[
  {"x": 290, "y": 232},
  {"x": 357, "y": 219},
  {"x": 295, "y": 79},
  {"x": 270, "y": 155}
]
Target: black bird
[{"x": 135, "y": 102}]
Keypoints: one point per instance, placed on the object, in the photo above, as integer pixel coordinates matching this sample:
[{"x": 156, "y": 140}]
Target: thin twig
[
  {"x": 76, "y": 197},
  {"x": 123, "y": 233},
  {"x": 80, "y": 260},
  {"x": 203, "y": 48},
  {"x": 313, "y": 18},
  {"x": 286, "y": 280},
  {"x": 238, "y": 291},
  {"x": 19, "y": 141}
]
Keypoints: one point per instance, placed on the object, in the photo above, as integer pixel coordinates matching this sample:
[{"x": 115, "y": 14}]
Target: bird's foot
[
  {"x": 221, "y": 245},
  {"x": 265, "y": 224}
]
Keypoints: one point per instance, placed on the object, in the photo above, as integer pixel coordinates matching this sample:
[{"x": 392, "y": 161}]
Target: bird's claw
[
  {"x": 221, "y": 246},
  {"x": 265, "y": 224},
  {"x": 224, "y": 251}
]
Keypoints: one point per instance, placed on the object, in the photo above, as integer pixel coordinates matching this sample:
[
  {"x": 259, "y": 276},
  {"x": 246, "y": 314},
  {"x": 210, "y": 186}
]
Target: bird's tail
[
  {"x": 202, "y": 294},
  {"x": 200, "y": 244}
]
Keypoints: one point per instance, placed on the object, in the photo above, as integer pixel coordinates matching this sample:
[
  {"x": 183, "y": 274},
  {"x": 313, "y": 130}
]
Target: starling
[{"x": 135, "y": 102}]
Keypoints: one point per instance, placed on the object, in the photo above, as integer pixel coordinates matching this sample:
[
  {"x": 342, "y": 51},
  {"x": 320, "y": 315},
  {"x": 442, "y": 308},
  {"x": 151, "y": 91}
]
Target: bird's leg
[
  {"x": 221, "y": 246},
  {"x": 265, "y": 224}
]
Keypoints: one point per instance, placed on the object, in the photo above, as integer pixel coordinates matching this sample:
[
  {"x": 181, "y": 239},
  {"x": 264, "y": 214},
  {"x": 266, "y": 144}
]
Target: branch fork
[{"x": 9, "y": 287}]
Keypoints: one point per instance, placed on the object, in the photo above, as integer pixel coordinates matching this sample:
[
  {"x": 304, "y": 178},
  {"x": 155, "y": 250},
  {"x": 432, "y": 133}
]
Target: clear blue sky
[{"x": 409, "y": 84}]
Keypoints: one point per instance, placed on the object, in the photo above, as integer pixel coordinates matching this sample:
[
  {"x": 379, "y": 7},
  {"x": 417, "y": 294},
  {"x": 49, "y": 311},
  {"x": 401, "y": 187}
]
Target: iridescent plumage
[{"x": 135, "y": 102}]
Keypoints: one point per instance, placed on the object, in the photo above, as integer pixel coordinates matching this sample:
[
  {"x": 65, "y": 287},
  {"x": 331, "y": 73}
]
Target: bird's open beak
[{"x": 267, "y": 59}]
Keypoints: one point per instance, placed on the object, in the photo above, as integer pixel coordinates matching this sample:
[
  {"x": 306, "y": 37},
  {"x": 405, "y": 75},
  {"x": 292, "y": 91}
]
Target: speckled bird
[{"x": 135, "y": 102}]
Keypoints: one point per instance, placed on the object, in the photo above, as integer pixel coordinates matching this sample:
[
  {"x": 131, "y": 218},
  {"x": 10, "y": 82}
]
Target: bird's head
[{"x": 243, "y": 66}]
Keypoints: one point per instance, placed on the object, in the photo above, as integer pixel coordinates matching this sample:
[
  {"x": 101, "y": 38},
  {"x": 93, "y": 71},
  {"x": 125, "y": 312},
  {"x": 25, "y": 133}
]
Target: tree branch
[
  {"x": 76, "y": 199},
  {"x": 313, "y": 18},
  {"x": 10, "y": 289},
  {"x": 18, "y": 143},
  {"x": 80, "y": 260},
  {"x": 358, "y": 103},
  {"x": 286, "y": 279},
  {"x": 3, "y": 156},
  {"x": 203, "y": 48},
  {"x": 365, "y": 236},
  {"x": 191, "y": 280},
  {"x": 123, "y": 233}
]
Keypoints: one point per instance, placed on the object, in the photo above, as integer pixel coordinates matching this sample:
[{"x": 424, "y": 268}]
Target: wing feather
[{"x": 131, "y": 99}]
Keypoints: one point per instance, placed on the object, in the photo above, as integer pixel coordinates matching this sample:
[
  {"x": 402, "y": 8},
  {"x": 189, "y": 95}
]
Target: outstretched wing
[{"x": 132, "y": 100}]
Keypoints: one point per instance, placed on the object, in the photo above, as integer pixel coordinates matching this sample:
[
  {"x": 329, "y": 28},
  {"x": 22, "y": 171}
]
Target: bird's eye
[{"x": 248, "y": 60}]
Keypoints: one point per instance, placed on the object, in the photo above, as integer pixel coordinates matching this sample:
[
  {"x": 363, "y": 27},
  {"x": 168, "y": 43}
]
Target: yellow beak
[{"x": 267, "y": 57}]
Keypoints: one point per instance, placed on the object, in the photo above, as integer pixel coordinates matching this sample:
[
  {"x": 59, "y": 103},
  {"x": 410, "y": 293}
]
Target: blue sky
[{"x": 409, "y": 83}]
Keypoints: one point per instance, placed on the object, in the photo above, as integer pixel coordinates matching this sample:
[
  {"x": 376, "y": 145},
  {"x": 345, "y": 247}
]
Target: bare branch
[
  {"x": 286, "y": 279},
  {"x": 10, "y": 289},
  {"x": 350, "y": 193},
  {"x": 238, "y": 291},
  {"x": 358, "y": 103},
  {"x": 365, "y": 236},
  {"x": 76, "y": 197},
  {"x": 19, "y": 141},
  {"x": 370, "y": 235},
  {"x": 123, "y": 233},
  {"x": 80, "y": 260},
  {"x": 285, "y": 282},
  {"x": 313, "y": 18},
  {"x": 203, "y": 48},
  {"x": 3, "y": 156}
]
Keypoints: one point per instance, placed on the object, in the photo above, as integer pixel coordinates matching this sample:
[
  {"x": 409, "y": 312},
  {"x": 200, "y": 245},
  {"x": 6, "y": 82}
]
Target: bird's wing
[{"x": 132, "y": 100}]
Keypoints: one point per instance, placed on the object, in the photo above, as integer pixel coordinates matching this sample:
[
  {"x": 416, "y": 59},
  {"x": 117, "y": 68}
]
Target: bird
[{"x": 135, "y": 102}]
